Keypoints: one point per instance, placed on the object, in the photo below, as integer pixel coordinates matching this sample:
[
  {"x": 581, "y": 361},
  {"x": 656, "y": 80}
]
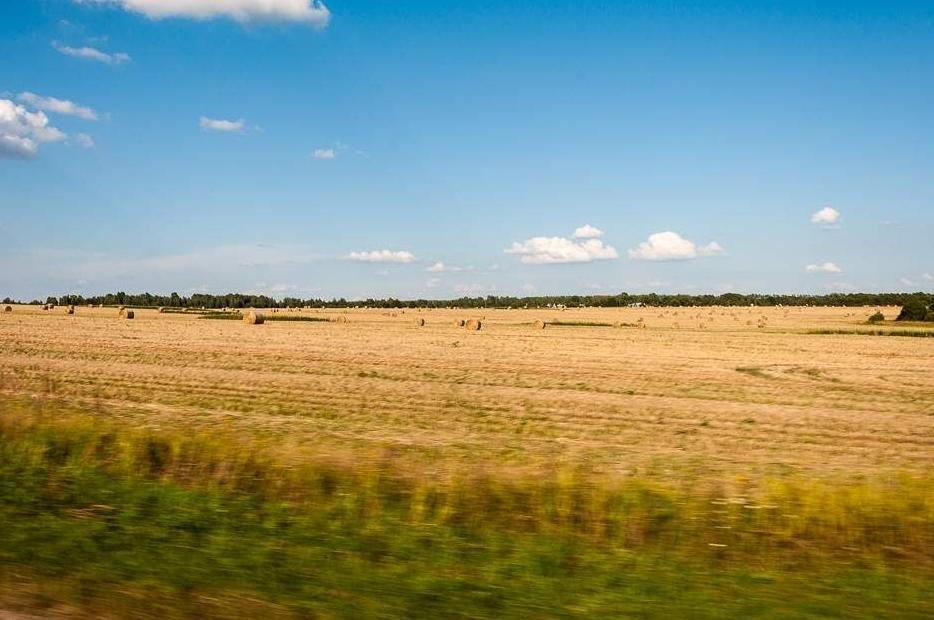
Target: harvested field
[{"x": 736, "y": 397}]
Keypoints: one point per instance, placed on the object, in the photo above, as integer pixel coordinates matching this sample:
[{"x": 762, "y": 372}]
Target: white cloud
[
  {"x": 440, "y": 267},
  {"x": 928, "y": 277},
  {"x": 59, "y": 106},
  {"x": 670, "y": 246},
  {"x": 828, "y": 216},
  {"x": 382, "y": 256},
  {"x": 312, "y": 12},
  {"x": 827, "y": 267},
  {"x": 92, "y": 53},
  {"x": 432, "y": 282},
  {"x": 22, "y": 131},
  {"x": 84, "y": 140},
  {"x": 587, "y": 232},
  {"x": 324, "y": 154},
  {"x": 212, "y": 124},
  {"x": 557, "y": 250},
  {"x": 906, "y": 281}
]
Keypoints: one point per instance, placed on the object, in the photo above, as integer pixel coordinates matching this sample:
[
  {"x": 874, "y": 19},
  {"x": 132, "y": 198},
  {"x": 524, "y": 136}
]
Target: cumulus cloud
[
  {"x": 670, "y": 246},
  {"x": 213, "y": 124},
  {"x": 58, "y": 106},
  {"x": 587, "y": 232},
  {"x": 312, "y": 12},
  {"x": 22, "y": 131},
  {"x": 92, "y": 53},
  {"x": 828, "y": 216},
  {"x": 556, "y": 250},
  {"x": 324, "y": 154},
  {"x": 382, "y": 256},
  {"x": 827, "y": 267}
]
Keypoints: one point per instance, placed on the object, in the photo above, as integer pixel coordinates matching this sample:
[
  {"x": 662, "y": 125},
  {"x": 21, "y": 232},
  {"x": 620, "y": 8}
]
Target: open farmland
[{"x": 771, "y": 446}]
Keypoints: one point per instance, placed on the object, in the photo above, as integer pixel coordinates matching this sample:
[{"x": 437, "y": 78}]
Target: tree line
[{"x": 240, "y": 300}]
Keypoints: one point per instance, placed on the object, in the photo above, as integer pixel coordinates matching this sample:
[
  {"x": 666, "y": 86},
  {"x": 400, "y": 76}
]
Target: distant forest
[{"x": 237, "y": 300}]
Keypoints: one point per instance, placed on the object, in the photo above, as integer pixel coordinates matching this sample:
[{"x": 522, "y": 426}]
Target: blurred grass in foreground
[{"x": 117, "y": 521}]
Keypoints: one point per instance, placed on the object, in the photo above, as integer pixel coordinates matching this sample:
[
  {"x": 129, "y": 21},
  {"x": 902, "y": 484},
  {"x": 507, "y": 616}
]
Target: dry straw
[
  {"x": 254, "y": 318},
  {"x": 70, "y": 310},
  {"x": 420, "y": 322},
  {"x": 339, "y": 319},
  {"x": 538, "y": 325},
  {"x": 8, "y": 308},
  {"x": 127, "y": 314},
  {"x": 473, "y": 325},
  {"x": 459, "y": 322}
]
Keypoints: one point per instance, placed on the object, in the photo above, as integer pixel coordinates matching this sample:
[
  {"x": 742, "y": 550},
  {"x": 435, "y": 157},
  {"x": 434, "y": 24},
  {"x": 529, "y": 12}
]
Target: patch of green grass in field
[
  {"x": 236, "y": 316},
  {"x": 909, "y": 333},
  {"x": 102, "y": 510}
]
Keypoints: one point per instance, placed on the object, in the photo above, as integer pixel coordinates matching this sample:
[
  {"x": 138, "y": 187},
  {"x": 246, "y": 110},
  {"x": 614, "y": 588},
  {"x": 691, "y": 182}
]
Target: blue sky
[{"x": 433, "y": 149}]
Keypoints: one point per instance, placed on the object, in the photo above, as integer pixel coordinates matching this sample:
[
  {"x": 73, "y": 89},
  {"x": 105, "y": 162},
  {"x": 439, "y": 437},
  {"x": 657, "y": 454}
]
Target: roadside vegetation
[{"x": 193, "y": 523}]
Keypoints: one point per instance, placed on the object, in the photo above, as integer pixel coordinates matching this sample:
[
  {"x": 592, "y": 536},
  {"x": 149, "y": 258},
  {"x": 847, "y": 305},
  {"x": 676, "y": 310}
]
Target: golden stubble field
[{"x": 726, "y": 390}]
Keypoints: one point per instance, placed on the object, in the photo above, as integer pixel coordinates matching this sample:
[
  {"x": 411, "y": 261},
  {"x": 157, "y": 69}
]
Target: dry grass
[{"x": 728, "y": 398}]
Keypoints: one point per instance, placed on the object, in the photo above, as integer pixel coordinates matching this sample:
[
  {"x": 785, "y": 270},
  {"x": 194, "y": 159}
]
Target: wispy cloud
[
  {"x": 213, "y": 124},
  {"x": 324, "y": 154},
  {"x": 382, "y": 256},
  {"x": 670, "y": 246},
  {"x": 827, "y": 267},
  {"x": 84, "y": 140},
  {"x": 58, "y": 106},
  {"x": 312, "y": 12},
  {"x": 92, "y": 53}
]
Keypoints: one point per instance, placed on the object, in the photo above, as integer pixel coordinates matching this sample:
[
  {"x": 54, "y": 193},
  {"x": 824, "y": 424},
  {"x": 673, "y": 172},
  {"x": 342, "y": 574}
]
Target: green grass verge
[{"x": 136, "y": 523}]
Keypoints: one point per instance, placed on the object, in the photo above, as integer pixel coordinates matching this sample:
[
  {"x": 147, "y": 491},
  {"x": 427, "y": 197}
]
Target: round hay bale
[
  {"x": 538, "y": 325},
  {"x": 254, "y": 318},
  {"x": 45, "y": 306},
  {"x": 8, "y": 308},
  {"x": 420, "y": 322},
  {"x": 121, "y": 310},
  {"x": 473, "y": 325},
  {"x": 459, "y": 322},
  {"x": 70, "y": 310},
  {"x": 161, "y": 310},
  {"x": 127, "y": 314},
  {"x": 339, "y": 319}
]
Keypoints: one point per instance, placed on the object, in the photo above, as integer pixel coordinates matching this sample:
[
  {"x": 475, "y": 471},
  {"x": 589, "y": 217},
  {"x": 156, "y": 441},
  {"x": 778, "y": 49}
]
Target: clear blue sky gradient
[{"x": 461, "y": 128}]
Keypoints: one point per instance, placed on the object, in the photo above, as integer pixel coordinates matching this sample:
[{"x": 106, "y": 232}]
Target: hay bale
[
  {"x": 339, "y": 319},
  {"x": 121, "y": 310},
  {"x": 161, "y": 310},
  {"x": 70, "y": 310},
  {"x": 127, "y": 314},
  {"x": 420, "y": 322},
  {"x": 8, "y": 308},
  {"x": 538, "y": 325},
  {"x": 459, "y": 322},
  {"x": 254, "y": 318},
  {"x": 473, "y": 325}
]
